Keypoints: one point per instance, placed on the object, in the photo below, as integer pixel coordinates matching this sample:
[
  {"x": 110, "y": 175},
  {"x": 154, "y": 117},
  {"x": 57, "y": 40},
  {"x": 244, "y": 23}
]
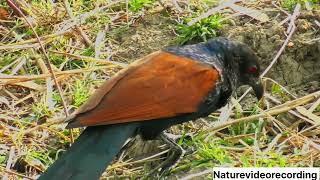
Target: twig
[
  {"x": 18, "y": 66},
  {"x": 275, "y": 5},
  {"x": 52, "y": 122},
  {"x": 31, "y": 95},
  {"x": 23, "y": 46},
  {"x": 291, "y": 111},
  {"x": 91, "y": 59},
  {"x": 273, "y": 143},
  {"x": 138, "y": 161},
  {"x": 308, "y": 129},
  {"x": 273, "y": 111},
  {"x": 253, "y": 13},
  {"x": 314, "y": 105},
  {"x": 314, "y": 118},
  {"x": 317, "y": 23},
  {"x": 9, "y": 65},
  {"x": 285, "y": 20},
  {"x": 99, "y": 43},
  {"x": 70, "y": 14},
  {"x": 15, "y": 79},
  {"x": 34, "y": 40},
  {"x": 282, "y": 87},
  {"x": 30, "y": 85},
  {"x": 30, "y": 43},
  {"x": 293, "y": 17}
]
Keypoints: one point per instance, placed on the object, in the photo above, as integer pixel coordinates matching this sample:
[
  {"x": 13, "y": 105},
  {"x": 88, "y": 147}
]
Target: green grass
[
  {"x": 211, "y": 151},
  {"x": 245, "y": 128},
  {"x": 3, "y": 158},
  {"x": 277, "y": 90},
  {"x": 6, "y": 60},
  {"x": 41, "y": 109},
  {"x": 34, "y": 156},
  {"x": 80, "y": 93},
  {"x": 270, "y": 159},
  {"x": 137, "y": 5},
  {"x": 201, "y": 31},
  {"x": 207, "y": 152}
]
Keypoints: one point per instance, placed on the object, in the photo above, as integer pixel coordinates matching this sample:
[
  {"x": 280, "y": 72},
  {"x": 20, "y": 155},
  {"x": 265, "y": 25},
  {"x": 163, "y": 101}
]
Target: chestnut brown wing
[{"x": 159, "y": 86}]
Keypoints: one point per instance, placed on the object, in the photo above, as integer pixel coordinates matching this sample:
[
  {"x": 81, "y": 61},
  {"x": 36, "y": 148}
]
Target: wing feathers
[{"x": 159, "y": 86}]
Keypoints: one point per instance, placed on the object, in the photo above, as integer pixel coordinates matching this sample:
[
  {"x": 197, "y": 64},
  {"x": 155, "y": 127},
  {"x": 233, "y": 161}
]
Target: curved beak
[{"x": 257, "y": 88}]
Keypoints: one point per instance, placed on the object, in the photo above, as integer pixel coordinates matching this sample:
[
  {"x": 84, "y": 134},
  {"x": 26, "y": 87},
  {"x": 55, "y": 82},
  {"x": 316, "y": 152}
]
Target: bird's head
[
  {"x": 243, "y": 62},
  {"x": 249, "y": 69}
]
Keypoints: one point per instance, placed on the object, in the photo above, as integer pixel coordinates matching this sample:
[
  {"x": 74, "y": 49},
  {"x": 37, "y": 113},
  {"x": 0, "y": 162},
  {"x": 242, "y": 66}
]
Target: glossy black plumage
[{"x": 176, "y": 85}]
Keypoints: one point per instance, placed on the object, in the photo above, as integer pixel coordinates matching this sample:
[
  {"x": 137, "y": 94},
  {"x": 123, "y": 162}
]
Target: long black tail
[{"x": 88, "y": 157}]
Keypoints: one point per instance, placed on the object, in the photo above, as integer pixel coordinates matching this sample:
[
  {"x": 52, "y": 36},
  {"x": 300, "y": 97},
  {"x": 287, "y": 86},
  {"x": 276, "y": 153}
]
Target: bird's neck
[
  {"x": 225, "y": 50},
  {"x": 217, "y": 52}
]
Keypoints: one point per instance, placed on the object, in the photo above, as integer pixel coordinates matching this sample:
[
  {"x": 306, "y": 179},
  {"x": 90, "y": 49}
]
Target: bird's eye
[{"x": 252, "y": 70}]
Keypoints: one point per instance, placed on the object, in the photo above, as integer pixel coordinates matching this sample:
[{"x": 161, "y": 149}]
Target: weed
[
  {"x": 277, "y": 90},
  {"x": 269, "y": 159},
  {"x": 34, "y": 156},
  {"x": 137, "y": 5},
  {"x": 98, "y": 22},
  {"x": 41, "y": 109},
  {"x": 88, "y": 52},
  {"x": 208, "y": 153},
  {"x": 2, "y": 158},
  {"x": 272, "y": 160},
  {"x": 80, "y": 93},
  {"x": 213, "y": 152},
  {"x": 245, "y": 160},
  {"x": 56, "y": 97},
  {"x": 245, "y": 128},
  {"x": 207, "y": 148},
  {"x": 7, "y": 59},
  {"x": 56, "y": 60},
  {"x": 201, "y": 30}
]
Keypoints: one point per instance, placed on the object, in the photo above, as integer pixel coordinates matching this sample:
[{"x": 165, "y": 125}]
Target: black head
[{"x": 240, "y": 60}]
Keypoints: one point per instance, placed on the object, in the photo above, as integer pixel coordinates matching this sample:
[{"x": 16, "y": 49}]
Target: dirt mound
[{"x": 300, "y": 61}]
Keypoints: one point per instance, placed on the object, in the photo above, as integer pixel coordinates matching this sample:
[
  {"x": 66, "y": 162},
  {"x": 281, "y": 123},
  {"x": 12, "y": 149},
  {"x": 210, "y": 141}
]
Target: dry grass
[{"x": 87, "y": 42}]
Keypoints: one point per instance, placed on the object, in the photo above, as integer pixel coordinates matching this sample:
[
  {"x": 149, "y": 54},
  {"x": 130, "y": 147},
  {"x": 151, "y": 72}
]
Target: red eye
[{"x": 252, "y": 70}]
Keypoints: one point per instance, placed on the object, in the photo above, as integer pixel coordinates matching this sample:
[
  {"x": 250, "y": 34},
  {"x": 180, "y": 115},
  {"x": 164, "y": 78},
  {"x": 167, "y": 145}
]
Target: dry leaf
[
  {"x": 308, "y": 114},
  {"x": 256, "y": 14}
]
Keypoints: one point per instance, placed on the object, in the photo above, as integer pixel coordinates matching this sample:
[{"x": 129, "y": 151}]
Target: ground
[{"x": 276, "y": 139}]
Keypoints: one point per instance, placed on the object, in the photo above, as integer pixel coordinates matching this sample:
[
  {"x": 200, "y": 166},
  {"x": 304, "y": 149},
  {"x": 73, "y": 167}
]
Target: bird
[{"x": 167, "y": 87}]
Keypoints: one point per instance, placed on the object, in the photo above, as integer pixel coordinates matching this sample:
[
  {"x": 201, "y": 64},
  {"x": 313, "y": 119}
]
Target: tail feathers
[{"x": 88, "y": 157}]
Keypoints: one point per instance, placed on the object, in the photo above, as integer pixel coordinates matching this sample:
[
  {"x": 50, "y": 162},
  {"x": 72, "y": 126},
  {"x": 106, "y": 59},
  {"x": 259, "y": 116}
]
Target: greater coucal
[{"x": 168, "y": 87}]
